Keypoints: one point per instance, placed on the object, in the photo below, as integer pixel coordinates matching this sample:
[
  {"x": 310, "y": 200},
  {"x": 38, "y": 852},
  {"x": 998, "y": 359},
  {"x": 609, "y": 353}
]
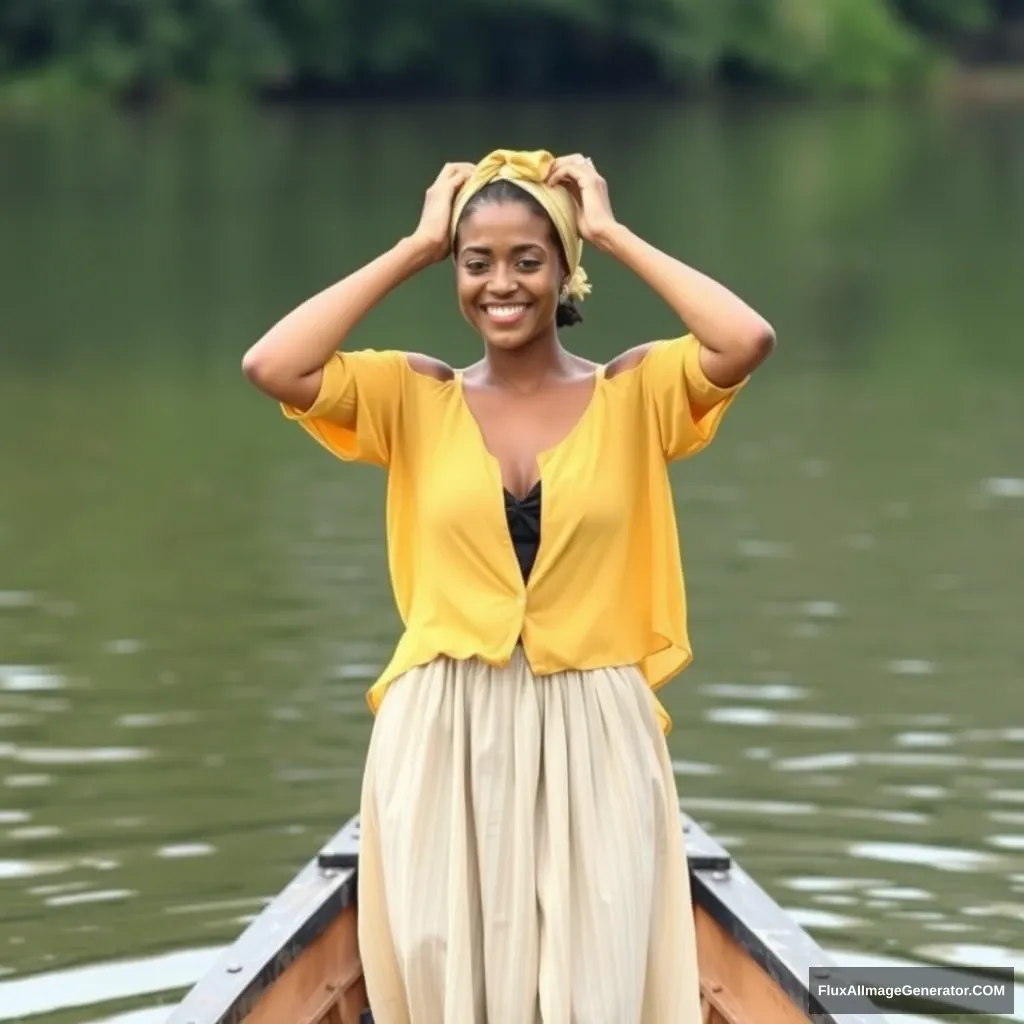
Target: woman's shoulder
[
  {"x": 429, "y": 367},
  {"x": 628, "y": 360}
]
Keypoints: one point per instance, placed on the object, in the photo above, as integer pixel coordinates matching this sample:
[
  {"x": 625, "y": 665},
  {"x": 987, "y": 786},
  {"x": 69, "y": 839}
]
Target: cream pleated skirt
[{"x": 522, "y": 852}]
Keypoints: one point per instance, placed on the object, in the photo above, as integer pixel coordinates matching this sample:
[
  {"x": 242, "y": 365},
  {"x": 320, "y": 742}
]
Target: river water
[{"x": 194, "y": 597}]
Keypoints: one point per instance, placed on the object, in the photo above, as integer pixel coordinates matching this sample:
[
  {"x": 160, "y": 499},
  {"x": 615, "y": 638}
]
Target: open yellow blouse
[{"x": 607, "y": 586}]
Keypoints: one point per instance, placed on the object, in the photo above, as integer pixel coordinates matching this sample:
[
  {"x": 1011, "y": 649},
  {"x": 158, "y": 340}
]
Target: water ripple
[
  {"x": 764, "y": 717},
  {"x": 90, "y": 896},
  {"x": 755, "y": 691},
  {"x": 944, "y": 858},
  {"x": 29, "y": 679},
  {"x": 74, "y": 755},
  {"x": 104, "y": 982},
  {"x": 179, "y": 851},
  {"x": 29, "y": 869}
]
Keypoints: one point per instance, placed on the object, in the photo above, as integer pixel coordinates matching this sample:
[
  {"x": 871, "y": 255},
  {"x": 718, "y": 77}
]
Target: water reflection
[
  {"x": 911, "y": 667},
  {"x": 157, "y": 1015},
  {"x": 819, "y": 920},
  {"x": 27, "y": 869},
  {"x": 193, "y": 599},
  {"x": 768, "y": 717},
  {"x": 103, "y": 983},
  {"x": 93, "y": 896},
  {"x": 28, "y": 678},
  {"x": 35, "y": 832},
  {"x": 1015, "y": 842},
  {"x": 1004, "y": 487},
  {"x": 176, "y": 851},
  {"x": 941, "y": 858},
  {"x": 68, "y": 755},
  {"x": 754, "y": 691},
  {"x": 924, "y": 739},
  {"x": 26, "y": 781}
]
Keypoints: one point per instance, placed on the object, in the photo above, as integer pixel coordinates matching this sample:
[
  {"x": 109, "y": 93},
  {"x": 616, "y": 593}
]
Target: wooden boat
[{"x": 298, "y": 961}]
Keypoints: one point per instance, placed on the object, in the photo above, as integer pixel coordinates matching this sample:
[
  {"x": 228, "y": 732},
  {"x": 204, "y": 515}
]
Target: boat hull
[{"x": 298, "y": 962}]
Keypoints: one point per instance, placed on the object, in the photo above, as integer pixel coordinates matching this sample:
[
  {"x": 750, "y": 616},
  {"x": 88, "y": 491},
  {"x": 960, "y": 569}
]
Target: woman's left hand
[{"x": 579, "y": 175}]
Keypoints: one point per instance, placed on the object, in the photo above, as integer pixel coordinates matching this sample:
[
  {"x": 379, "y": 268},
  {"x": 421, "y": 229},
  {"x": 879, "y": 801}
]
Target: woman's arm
[
  {"x": 734, "y": 338},
  {"x": 287, "y": 362}
]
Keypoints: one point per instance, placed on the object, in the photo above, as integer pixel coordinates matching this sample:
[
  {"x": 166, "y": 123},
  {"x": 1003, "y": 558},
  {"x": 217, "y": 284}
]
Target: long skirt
[{"x": 522, "y": 858}]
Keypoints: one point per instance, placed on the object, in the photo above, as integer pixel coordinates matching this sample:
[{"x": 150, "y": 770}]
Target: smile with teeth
[{"x": 506, "y": 312}]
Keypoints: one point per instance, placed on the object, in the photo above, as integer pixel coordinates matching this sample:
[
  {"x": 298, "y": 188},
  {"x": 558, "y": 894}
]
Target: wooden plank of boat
[{"x": 298, "y": 961}]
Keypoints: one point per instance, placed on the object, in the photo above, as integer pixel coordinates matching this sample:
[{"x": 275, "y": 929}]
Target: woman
[{"x": 522, "y": 853}]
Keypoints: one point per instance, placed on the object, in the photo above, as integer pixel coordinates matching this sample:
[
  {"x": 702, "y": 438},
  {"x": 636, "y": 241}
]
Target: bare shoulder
[
  {"x": 430, "y": 367},
  {"x": 629, "y": 360}
]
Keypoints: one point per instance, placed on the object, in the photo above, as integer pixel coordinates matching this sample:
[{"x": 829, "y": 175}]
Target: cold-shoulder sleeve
[
  {"x": 687, "y": 407},
  {"x": 356, "y": 413}
]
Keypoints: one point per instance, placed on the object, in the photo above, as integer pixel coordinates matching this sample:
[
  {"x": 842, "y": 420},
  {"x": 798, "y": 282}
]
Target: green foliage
[
  {"x": 830, "y": 43},
  {"x": 148, "y": 47}
]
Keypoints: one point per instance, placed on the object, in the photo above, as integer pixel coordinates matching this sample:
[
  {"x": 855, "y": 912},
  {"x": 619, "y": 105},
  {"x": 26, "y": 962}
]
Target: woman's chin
[
  {"x": 511, "y": 336},
  {"x": 507, "y": 339}
]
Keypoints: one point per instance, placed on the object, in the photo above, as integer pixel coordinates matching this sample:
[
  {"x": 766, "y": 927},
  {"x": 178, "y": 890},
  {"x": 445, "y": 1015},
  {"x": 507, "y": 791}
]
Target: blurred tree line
[{"x": 147, "y": 48}]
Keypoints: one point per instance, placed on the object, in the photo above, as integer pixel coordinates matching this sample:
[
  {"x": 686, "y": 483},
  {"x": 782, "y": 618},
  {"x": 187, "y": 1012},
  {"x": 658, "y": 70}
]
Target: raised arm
[
  {"x": 734, "y": 339},
  {"x": 287, "y": 362}
]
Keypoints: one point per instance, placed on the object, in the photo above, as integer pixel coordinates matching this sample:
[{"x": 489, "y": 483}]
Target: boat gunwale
[
  {"x": 767, "y": 933},
  {"x": 326, "y": 886},
  {"x": 229, "y": 991}
]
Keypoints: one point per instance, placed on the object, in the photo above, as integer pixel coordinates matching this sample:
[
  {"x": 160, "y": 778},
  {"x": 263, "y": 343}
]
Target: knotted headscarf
[{"x": 529, "y": 171}]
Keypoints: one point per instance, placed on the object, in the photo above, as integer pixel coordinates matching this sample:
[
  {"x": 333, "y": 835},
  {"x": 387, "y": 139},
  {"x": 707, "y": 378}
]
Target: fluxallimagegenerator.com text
[{"x": 825, "y": 990}]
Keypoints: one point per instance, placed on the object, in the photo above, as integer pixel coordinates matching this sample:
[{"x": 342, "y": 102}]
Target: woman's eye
[{"x": 480, "y": 266}]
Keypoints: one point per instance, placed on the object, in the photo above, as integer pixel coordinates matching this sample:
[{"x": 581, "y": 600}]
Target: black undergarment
[{"x": 523, "y": 517}]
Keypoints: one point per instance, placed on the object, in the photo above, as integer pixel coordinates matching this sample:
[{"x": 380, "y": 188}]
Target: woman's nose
[{"x": 503, "y": 281}]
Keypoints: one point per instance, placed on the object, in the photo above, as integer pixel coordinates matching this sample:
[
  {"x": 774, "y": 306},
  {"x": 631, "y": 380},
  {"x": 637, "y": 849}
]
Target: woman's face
[{"x": 509, "y": 272}]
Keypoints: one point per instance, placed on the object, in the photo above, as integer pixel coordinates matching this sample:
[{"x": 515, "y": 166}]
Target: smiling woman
[
  {"x": 522, "y": 849},
  {"x": 528, "y": 251}
]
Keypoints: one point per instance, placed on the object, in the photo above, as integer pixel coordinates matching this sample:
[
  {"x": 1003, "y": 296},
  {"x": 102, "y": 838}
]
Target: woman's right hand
[{"x": 432, "y": 232}]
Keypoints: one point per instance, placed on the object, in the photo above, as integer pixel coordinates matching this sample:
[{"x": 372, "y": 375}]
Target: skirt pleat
[{"x": 522, "y": 855}]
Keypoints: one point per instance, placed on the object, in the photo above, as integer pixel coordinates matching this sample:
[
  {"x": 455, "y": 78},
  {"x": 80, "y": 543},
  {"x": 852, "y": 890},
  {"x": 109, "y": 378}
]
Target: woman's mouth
[{"x": 506, "y": 313}]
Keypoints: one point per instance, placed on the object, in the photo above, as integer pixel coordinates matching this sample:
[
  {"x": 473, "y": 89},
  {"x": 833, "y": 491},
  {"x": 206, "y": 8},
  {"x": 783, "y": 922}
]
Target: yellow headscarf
[{"x": 529, "y": 170}]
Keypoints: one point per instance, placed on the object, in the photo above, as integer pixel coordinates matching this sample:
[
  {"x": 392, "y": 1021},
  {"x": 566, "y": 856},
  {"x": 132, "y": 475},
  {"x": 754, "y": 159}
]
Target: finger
[
  {"x": 569, "y": 177},
  {"x": 562, "y": 167},
  {"x": 558, "y": 166},
  {"x": 460, "y": 178},
  {"x": 577, "y": 160},
  {"x": 575, "y": 166},
  {"x": 451, "y": 178},
  {"x": 568, "y": 181},
  {"x": 460, "y": 174},
  {"x": 460, "y": 170},
  {"x": 449, "y": 171}
]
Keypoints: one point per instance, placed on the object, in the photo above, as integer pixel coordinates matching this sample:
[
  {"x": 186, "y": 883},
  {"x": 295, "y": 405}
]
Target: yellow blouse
[{"x": 607, "y": 585}]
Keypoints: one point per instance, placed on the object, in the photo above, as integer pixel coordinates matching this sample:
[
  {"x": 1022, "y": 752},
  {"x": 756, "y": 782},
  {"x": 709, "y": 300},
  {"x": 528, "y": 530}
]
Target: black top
[{"x": 523, "y": 517}]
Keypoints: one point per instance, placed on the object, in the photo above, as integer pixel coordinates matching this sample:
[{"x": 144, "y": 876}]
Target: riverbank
[
  {"x": 995, "y": 84},
  {"x": 950, "y": 82}
]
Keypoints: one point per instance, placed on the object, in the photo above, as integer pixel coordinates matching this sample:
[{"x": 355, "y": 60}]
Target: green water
[{"x": 194, "y": 597}]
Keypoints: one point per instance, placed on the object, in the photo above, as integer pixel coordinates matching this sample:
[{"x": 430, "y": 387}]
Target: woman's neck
[{"x": 528, "y": 367}]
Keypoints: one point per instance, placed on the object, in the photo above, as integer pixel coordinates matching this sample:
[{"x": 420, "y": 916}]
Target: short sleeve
[
  {"x": 356, "y": 413},
  {"x": 686, "y": 406}
]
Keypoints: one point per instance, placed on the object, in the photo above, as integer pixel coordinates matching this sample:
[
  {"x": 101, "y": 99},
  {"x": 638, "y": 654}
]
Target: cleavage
[{"x": 516, "y": 430}]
